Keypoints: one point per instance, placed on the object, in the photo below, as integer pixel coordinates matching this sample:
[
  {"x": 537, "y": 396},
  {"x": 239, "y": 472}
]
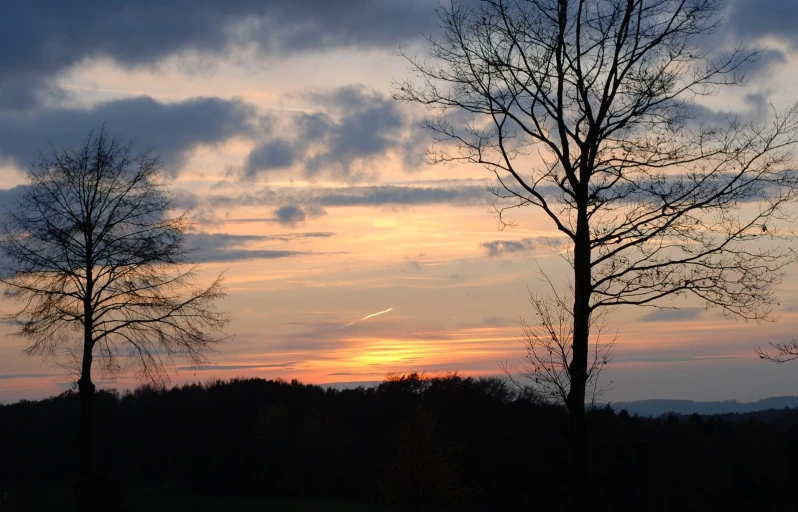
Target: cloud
[
  {"x": 50, "y": 36},
  {"x": 11, "y": 376},
  {"x": 9, "y": 197},
  {"x": 171, "y": 129},
  {"x": 289, "y": 214},
  {"x": 672, "y": 315},
  {"x": 769, "y": 59},
  {"x": 21, "y": 93},
  {"x": 350, "y": 374},
  {"x": 370, "y": 125},
  {"x": 746, "y": 24},
  {"x": 756, "y": 103},
  {"x": 750, "y": 18},
  {"x": 274, "y": 154},
  {"x": 393, "y": 195},
  {"x": 358, "y": 127},
  {"x": 287, "y": 365},
  {"x": 500, "y": 247},
  {"x": 221, "y": 247},
  {"x": 314, "y": 200},
  {"x": 226, "y": 255},
  {"x": 501, "y": 321}
]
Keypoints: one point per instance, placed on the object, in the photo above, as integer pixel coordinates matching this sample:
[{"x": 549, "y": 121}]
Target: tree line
[{"x": 411, "y": 443}]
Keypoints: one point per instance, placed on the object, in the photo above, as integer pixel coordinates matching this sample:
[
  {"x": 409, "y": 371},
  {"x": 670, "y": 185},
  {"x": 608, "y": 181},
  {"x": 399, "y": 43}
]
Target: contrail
[
  {"x": 375, "y": 314},
  {"x": 367, "y": 317}
]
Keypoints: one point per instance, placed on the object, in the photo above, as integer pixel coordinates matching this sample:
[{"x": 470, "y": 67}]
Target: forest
[{"x": 414, "y": 442}]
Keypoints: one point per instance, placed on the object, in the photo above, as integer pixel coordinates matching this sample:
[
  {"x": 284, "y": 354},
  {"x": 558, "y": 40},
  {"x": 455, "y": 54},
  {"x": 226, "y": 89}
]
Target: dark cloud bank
[
  {"x": 45, "y": 37},
  {"x": 48, "y": 36},
  {"x": 171, "y": 128},
  {"x": 366, "y": 127},
  {"x": 756, "y": 19}
]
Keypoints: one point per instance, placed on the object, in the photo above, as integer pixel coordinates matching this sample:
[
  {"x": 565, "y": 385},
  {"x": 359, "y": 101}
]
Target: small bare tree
[
  {"x": 585, "y": 110},
  {"x": 98, "y": 264},
  {"x": 544, "y": 374}
]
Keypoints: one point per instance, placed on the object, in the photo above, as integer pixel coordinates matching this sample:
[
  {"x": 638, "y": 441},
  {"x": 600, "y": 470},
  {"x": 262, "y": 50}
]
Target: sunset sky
[{"x": 346, "y": 256}]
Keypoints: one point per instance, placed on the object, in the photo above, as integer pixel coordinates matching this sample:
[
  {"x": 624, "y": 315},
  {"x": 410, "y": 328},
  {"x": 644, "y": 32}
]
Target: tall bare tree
[
  {"x": 97, "y": 261},
  {"x": 586, "y": 110}
]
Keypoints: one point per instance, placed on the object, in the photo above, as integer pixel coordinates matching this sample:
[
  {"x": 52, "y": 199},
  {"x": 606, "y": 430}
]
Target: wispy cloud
[
  {"x": 500, "y": 247},
  {"x": 9, "y": 376},
  {"x": 219, "y": 247},
  {"x": 387, "y": 195},
  {"x": 672, "y": 315},
  {"x": 314, "y": 200},
  {"x": 287, "y": 365}
]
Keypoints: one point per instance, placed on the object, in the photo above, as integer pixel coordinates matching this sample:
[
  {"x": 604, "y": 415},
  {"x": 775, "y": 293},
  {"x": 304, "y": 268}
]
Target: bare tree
[
  {"x": 585, "y": 109},
  {"x": 97, "y": 261},
  {"x": 544, "y": 373}
]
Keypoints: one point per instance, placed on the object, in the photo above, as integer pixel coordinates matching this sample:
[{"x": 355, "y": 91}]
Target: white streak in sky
[
  {"x": 375, "y": 314},
  {"x": 368, "y": 316}
]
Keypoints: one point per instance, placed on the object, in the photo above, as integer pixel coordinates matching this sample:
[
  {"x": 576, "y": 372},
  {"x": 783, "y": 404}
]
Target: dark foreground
[
  {"x": 58, "y": 496},
  {"x": 413, "y": 443}
]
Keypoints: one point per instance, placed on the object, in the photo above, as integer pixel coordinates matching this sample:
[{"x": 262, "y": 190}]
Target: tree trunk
[
  {"x": 577, "y": 435},
  {"x": 85, "y": 493},
  {"x": 86, "y": 388},
  {"x": 577, "y": 439}
]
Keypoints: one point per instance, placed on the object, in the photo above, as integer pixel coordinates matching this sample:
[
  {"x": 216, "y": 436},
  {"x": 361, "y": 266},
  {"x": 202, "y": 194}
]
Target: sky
[{"x": 346, "y": 256}]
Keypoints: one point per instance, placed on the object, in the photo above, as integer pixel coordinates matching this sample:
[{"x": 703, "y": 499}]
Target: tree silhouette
[
  {"x": 97, "y": 262},
  {"x": 548, "y": 344},
  {"x": 585, "y": 110}
]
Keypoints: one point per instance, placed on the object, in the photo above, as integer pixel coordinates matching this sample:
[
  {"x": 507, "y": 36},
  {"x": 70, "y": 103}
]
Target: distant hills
[{"x": 659, "y": 407}]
